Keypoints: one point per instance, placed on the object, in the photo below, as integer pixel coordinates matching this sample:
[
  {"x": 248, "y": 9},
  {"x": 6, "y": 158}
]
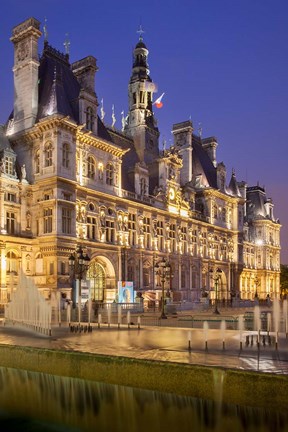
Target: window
[
  {"x": 67, "y": 196},
  {"x": 37, "y": 162},
  {"x": 89, "y": 118},
  {"x": 110, "y": 232},
  {"x": 160, "y": 235},
  {"x": 65, "y": 155},
  {"x": 109, "y": 173},
  {"x": 10, "y": 197},
  {"x": 91, "y": 167},
  {"x": 10, "y": 222},
  {"x": 48, "y": 213},
  {"x": 172, "y": 237},
  {"x": 12, "y": 262},
  {"x": 66, "y": 220},
  {"x": 147, "y": 232},
  {"x": 9, "y": 165},
  {"x": 143, "y": 186},
  {"x": 132, "y": 229},
  {"x": 91, "y": 228},
  {"x": 48, "y": 155}
]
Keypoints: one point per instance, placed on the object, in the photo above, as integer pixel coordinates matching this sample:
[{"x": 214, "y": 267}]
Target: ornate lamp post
[
  {"x": 162, "y": 269},
  {"x": 216, "y": 279},
  {"x": 79, "y": 263}
]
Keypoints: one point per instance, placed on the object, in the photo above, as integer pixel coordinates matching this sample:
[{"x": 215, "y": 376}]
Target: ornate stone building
[{"x": 69, "y": 180}]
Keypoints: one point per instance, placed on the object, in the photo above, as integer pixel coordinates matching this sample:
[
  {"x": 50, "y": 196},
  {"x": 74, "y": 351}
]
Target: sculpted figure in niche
[{"x": 23, "y": 172}]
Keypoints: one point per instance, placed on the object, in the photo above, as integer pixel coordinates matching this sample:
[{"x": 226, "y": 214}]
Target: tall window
[
  {"x": 160, "y": 235},
  {"x": 132, "y": 229},
  {"x": 10, "y": 222},
  {"x": 48, "y": 155},
  {"x": 37, "y": 161},
  {"x": 147, "y": 232},
  {"x": 109, "y": 173},
  {"x": 12, "y": 262},
  {"x": 91, "y": 167},
  {"x": 89, "y": 118},
  {"x": 91, "y": 228},
  {"x": 9, "y": 165},
  {"x": 66, "y": 220},
  {"x": 172, "y": 237},
  {"x": 65, "y": 155},
  {"x": 48, "y": 213},
  {"x": 110, "y": 231}
]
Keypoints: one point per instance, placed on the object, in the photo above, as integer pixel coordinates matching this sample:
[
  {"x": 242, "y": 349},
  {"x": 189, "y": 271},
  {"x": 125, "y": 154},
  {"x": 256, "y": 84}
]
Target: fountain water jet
[
  {"x": 205, "y": 332},
  {"x": 276, "y": 319},
  {"x": 109, "y": 314},
  {"x": 222, "y": 330},
  {"x": 285, "y": 316},
  {"x": 241, "y": 328},
  {"x": 128, "y": 319},
  {"x": 28, "y": 308},
  {"x": 119, "y": 315}
]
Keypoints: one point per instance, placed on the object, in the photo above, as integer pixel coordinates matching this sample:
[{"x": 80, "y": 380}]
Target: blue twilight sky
[{"x": 222, "y": 63}]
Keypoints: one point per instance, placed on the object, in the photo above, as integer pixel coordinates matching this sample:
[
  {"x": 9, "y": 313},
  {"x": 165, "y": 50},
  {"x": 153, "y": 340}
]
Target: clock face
[{"x": 171, "y": 193}]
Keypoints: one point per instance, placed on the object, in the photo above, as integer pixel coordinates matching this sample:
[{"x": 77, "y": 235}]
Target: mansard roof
[
  {"x": 256, "y": 200},
  {"x": 4, "y": 142},
  {"x": 202, "y": 164},
  {"x": 58, "y": 86}
]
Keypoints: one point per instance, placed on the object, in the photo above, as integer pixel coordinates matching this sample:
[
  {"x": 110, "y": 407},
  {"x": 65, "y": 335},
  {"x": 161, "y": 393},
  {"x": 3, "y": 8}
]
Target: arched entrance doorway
[
  {"x": 102, "y": 280},
  {"x": 96, "y": 276}
]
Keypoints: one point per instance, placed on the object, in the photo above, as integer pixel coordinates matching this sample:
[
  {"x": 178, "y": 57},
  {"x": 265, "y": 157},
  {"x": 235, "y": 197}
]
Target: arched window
[
  {"x": 89, "y": 118},
  {"x": 48, "y": 153},
  {"x": 65, "y": 155},
  {"x": 91, "y": 167},
  {"x": 37, "y": 162},
  {"x": 109, "y": 173},
  {"x": 12, "y": 262}
]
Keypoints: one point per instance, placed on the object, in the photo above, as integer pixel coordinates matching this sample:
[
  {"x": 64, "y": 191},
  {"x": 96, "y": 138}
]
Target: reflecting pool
[{"x": 32, "y": 401}]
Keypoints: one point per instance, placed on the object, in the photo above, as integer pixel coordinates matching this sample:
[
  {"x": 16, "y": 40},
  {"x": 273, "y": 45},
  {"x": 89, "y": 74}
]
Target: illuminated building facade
[{"x": 69, "y": 180}]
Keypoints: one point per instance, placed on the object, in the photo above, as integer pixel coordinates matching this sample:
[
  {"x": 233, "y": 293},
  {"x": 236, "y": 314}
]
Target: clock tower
[{"x": 141, "y": 124}]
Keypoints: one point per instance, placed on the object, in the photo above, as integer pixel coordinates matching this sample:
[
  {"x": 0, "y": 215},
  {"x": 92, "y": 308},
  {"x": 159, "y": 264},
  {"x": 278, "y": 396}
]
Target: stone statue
[{"x": 23, "y": 172}]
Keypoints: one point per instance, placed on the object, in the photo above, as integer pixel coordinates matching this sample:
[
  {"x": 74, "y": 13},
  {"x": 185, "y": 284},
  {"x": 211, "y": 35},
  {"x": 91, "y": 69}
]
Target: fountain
[
  {"x": 99, "y": 319},
  {"x": 109, "y": 310},
  {"x": 241, "y": 328},
  {"x": 276, "y": 319},
  {"x": 119, "y": 315},
  {"x": 205, "y": 333},
  {"x": 28, "y": 308},
  {"x": 222, "y": 331},
  {"x": 128, "y": 319},
  {"x": 285, "y": 316}
]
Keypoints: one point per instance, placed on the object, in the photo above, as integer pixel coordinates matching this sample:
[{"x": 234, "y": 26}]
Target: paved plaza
[{"x": 213, "y": 347}]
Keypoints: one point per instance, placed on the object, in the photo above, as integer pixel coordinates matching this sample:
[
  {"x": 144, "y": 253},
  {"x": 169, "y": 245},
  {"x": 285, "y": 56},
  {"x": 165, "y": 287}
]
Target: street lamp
[
  {"x": 162, "y": 269},
  {"x": 79, "y": 263},
  {"x": 216, "y": 279}
]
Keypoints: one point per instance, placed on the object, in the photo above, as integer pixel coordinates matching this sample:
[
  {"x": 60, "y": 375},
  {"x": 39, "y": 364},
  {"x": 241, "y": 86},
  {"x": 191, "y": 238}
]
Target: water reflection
[{"x": 46, "y": 402}]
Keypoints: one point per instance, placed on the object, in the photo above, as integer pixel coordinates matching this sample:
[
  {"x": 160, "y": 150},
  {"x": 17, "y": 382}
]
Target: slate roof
[
  {"x": 58, "y": 87},
  {"x": 202, "y": 164},
  {"x": 233, "y": 188},
  {"x": 4, "y": 142}
]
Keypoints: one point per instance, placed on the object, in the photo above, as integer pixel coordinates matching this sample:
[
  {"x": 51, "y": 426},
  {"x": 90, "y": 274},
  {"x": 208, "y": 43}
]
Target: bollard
[{"x": 138, "y": 322}]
